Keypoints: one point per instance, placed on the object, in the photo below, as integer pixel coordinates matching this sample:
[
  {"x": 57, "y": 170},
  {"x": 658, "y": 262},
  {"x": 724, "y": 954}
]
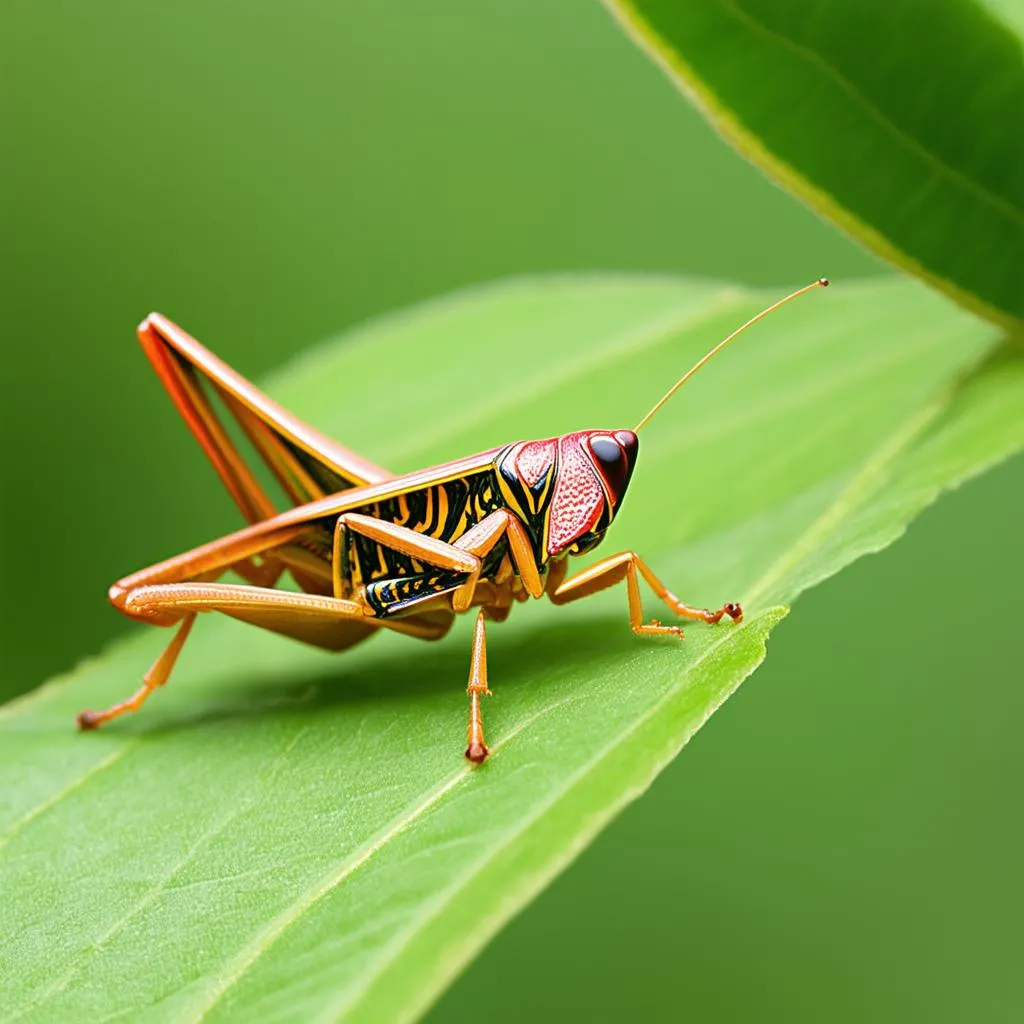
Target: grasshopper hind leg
[
  {"x": 331, "y": 623},
  {"x": 158, "y": 674}
]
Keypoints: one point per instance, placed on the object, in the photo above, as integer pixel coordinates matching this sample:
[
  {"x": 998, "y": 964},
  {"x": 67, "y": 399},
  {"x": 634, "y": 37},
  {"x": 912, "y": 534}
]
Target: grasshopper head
[
  {"x": 569, "y": 488},
  {"x": 594, "y": 470}
]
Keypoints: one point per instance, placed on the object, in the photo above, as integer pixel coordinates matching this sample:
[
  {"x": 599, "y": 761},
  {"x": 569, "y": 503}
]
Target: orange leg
[
  {"x": 152, "y": 596},
  {"x": 465, "y": 556},
  {"x": 628, "y": 566},
  {"x": 210, "y": 561},
  {"x": 481, "y": 539},
  {"x": 420, "y": 546},
  {"x": 323, "y": 621},
  {"x": 158, "y": 674},
  {"x": 264, "y": 574},
  {"x": 307, "y": 464},
  {"x": 476, "y": 748},
  {"x": 173, "y": 591}
]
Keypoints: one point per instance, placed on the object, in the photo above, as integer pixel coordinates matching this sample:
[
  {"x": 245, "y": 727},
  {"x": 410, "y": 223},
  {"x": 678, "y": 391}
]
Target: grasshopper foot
[
  {"x": 477, "y": 752},
  {"x": 734, "y": 611},
  {"x": 655, "y": 628}
]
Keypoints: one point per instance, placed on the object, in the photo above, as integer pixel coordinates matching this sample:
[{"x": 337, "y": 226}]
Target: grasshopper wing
[{"x": 307, "y": 464}]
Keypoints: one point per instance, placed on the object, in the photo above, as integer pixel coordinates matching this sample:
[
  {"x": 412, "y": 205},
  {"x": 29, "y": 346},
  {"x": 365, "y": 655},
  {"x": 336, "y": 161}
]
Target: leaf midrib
[{"x": 326, "y": 884}]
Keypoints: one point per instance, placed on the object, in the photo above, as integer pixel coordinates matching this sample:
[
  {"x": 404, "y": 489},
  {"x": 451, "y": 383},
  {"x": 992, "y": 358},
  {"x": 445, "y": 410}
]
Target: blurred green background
[{"x": 267, "y": 174}]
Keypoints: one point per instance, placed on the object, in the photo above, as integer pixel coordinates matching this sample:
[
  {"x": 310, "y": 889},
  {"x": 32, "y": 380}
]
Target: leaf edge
[{"x": 753, "y": 149}]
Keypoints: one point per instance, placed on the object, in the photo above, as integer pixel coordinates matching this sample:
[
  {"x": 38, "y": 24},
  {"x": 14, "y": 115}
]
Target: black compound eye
[
  {"x": 630, "y": 444},
  {"x": 587, "y": 542},
  {"x": 612, "y": 461}
]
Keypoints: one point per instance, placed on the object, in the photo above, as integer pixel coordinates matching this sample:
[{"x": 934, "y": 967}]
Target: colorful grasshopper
[{"x": 372, "y": 551}]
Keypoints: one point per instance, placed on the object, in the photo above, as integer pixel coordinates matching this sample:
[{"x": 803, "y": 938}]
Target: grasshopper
[{"x": 372, "y": 551}]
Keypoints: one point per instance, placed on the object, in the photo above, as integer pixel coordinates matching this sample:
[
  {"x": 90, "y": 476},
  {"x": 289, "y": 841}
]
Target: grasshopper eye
[
  {"x": 586, "y": 543},
  {"x": 614, "y": 462}
]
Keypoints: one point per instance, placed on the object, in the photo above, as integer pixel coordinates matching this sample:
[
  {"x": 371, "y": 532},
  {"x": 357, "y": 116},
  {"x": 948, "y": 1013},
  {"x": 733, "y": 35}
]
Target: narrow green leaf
[
  {"x": 286, "y": 835},
  {"x": 903, "y": 123}
]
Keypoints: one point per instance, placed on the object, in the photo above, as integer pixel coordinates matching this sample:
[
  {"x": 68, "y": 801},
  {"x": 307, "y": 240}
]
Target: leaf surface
[
  {"x": 287, "y": 835},
  {"x": 903, "y": 123}
]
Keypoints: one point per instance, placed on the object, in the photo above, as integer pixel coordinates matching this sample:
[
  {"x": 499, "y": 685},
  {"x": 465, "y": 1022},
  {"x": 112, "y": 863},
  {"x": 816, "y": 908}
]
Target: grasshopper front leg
[{"x": 628, "y": 565}]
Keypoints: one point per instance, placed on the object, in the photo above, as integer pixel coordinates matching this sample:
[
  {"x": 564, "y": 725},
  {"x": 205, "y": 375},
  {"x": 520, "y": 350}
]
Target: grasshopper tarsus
[
  {"x": 477, "y": 753},
  {"x": 656, "y": 628},
  {"x": 89, "y": 720}
]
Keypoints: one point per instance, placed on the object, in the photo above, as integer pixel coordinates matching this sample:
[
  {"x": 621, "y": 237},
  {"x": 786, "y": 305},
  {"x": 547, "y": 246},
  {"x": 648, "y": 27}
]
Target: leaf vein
[
  {"x": 54, "y": 798},
  {"x": 163, "y": 884}
]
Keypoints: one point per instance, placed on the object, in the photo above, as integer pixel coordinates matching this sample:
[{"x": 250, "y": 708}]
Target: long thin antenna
[{"x": 822, "y": 282}]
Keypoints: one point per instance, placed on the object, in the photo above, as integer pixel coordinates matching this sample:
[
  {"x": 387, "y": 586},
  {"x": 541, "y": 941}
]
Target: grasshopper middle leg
[
  {"x": 476, "y": 749},
  {"x": 465, "y": 558}
]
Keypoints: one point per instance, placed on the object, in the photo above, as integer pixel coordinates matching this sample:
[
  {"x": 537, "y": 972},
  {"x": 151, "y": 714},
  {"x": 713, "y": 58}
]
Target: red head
[{"x": 567, "y": 489}]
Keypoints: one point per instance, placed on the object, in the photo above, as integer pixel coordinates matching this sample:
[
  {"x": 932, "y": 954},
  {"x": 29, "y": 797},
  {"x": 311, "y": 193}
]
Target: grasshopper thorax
[{"x": 567, "y": 489}]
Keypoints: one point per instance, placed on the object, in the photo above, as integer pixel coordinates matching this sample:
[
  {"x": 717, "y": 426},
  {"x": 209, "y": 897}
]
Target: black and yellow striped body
[
  {"x": 394, "y": 581},
  {"x": 444, "y": 508},
  {"x": 532, "y": 480}
]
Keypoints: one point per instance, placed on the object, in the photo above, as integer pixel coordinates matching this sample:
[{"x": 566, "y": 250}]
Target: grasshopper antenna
[{"x": 822, "y": 282}]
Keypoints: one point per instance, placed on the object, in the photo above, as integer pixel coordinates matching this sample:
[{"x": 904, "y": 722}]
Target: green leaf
[
  {"x": 1010, "y": 12},
  {"x": 903, "y": 123},
  {"x": 286, "y": 835}
]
